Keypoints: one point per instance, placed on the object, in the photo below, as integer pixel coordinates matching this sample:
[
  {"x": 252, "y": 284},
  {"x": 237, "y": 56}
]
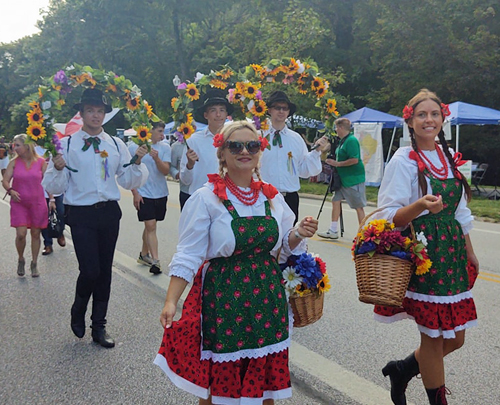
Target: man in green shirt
[{"x": 352, "y": 174}]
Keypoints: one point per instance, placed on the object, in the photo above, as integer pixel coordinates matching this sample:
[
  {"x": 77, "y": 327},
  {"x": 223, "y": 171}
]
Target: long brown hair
[{"x": 423, "y": 95}]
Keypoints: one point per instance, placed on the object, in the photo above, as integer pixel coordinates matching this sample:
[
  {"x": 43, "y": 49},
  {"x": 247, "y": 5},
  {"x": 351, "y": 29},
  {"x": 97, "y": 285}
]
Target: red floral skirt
[{"x": 266, "y": 377}]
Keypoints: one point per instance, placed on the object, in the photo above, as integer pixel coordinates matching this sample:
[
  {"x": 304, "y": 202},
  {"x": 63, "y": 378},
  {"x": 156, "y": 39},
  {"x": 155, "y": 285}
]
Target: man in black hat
[
  {"x": 201, "y": 157},
  {"x": 288, "y": 159},
  {"x": 91, "y": 197}
]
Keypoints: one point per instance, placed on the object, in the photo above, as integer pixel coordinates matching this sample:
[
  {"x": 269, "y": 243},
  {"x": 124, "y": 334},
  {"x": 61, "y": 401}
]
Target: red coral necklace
[
  {"x": 442, "y": 173},
  {"x": 246, "y": 197}
]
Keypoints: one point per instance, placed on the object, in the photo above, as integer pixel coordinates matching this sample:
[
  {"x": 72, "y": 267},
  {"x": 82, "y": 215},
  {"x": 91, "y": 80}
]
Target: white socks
[{"x": 334, "y": 226}]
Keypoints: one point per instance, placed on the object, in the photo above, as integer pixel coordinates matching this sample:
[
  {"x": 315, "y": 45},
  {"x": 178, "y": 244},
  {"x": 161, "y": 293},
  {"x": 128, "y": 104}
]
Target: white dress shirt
[
  {"x": 179, "y": 149},
  {"x": 202, "y": 143},
  {"x": 399, "y": 187},
  {"x": 156, "y": 185},
  {"x": 88, "y": 186},
  {"x": 205, "y": 230},
  {"x": 282, "y": 167}
]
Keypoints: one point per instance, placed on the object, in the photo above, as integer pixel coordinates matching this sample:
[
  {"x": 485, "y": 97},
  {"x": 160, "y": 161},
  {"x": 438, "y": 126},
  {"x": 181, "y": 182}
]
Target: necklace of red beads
[
  {"x": 246, "y": 197},
  {"x": 442, "y": 173}
]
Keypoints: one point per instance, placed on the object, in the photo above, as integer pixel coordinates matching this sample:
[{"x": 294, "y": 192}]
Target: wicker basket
[
  {"x": 382, "y": 279},
  {"x": 307, "y": 309}
]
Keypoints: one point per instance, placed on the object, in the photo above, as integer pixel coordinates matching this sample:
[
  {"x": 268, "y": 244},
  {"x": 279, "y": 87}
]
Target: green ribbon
[
  {"x": 92, "y": 141},
  {"x": 277, "y": 139}
]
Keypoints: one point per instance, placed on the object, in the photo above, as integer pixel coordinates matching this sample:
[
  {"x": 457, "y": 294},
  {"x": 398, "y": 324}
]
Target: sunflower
[
  {"x": 35, "y": 105},
  {"x": 192, "y": 92},
  {"x": 321, "y": 91},
  {"x": 324, "y": 284},
  {"x": 173, "y": 101},
  {"x": 35, "y": 116},
  {"x": 264, "y": 125},
  {"x": 186, "y": 130},
  {"x": 40, "y": 92},
  {"x": 189, "y": 118},
  {"x": 36, "y": 131},
  {"x": 317, "y": 83},
  {"x": 259, "y": 108},
  {"x": 218, "y": 84},
  {"x": 143, "y": 133},
  {"x": 331, "y": 106},
  {"x": 133, "y": 103},
  {"x": 61, "y": 102},
  {"x": 56, "y": 87},
  {"x": 250, "y": 90},
  {"x": 225, "y": 74},
  {"x": 111, "y": 88},
  {"x": 293, "y": 67},
  {"x": 149, "y": 109},
  {"x": 259, "y": 70},
  {"x": 277, "y": 69}
]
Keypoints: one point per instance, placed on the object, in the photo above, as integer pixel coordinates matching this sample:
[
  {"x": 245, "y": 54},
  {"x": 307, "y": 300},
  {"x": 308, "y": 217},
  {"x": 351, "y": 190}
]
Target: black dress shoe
[
  {"x": 47, "y": 250},
  {"x": 101, "y": 337}
]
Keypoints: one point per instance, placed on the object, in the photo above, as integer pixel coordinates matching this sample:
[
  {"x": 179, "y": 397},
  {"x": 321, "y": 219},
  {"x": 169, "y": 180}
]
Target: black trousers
[
  {"x": 94, "y": 230},
  {"x": 183, "y": 197},
  {"x": 292, "y": 199}
]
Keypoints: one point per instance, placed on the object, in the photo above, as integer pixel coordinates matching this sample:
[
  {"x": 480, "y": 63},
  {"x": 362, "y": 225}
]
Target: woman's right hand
[
  {"x": 432, "y": 203},
  {"x": 167, "y": 314}
]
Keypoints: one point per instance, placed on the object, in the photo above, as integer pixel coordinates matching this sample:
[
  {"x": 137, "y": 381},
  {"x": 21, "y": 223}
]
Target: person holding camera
[{"x": 351, "y": 170}]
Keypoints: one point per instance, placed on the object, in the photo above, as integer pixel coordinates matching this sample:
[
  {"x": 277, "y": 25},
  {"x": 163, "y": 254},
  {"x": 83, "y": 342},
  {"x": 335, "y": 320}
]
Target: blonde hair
[
  {"x": 344, "y": 123},
  {"x": 29, "y": 145}
]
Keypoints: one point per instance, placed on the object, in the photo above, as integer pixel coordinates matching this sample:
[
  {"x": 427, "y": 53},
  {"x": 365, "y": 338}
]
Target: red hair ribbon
[
  {"x": 445, "y": 109},
  {"x": 218, "y": 140},
  {"x": 415, "y": 156}
]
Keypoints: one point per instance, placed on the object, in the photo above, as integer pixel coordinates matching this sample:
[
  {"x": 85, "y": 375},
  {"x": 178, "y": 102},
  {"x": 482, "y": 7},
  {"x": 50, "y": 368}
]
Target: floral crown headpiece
[
  {"x": 408, "y": 111},
  {"x": 219, "y": 141}
]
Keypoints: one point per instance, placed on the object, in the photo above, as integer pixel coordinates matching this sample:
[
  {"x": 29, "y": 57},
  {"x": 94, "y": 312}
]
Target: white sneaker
[{"x": 329, "y": 234}]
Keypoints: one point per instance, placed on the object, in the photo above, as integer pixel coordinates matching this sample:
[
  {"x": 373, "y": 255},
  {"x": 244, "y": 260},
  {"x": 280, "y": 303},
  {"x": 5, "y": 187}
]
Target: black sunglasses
[{"x": 236, "y": 147}]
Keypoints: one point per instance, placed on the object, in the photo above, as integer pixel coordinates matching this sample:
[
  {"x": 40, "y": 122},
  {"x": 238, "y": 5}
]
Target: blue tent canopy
[
  {"x": 464, "y": 113},
  {"x": 366, "y": 114}
]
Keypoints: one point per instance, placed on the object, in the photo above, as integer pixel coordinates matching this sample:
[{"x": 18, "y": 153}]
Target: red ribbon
[
  {"x": 457, "y": 158},
  {"x": 414, "y": 156}
]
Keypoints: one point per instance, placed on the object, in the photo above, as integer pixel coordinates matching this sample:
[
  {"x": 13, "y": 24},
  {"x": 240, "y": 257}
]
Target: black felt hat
[
  {"x": 93, "y": 97},
  {"x": 281, "y": 97},
  {"x": 213, "y": 97}
]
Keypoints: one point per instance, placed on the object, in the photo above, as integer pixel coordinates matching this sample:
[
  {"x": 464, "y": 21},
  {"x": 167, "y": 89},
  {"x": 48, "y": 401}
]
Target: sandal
[
  {"x": 20, "y": 268},
  {"x": 34, "y": 270}
]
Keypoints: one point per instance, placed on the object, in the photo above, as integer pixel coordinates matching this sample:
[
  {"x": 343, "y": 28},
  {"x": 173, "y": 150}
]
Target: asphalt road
[{"x": 335, "y": 361}]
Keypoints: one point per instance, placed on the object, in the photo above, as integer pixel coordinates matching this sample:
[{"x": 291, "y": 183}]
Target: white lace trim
[
  {"x": 299, "y": 249},
  {"x": 439, "y": 299},
  {"x": 393, "y": 318},
  {"x": 280, "y": 394},
  {"x": 180, "y": 382},
  {"x": 447, "y": 334},
  {"x": 182, "y": 272}
]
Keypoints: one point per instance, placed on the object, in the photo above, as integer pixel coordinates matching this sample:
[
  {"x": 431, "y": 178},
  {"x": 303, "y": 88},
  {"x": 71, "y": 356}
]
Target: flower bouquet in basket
[
  {"x": 385, "y": 260},
  {"x": 306, "y": 280}
]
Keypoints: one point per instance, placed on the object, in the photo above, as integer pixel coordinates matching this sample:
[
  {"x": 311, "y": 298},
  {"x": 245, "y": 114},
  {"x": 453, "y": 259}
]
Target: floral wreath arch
[
  {"x": 52, "y": 95},
  {"x": 245, "y": 94}
]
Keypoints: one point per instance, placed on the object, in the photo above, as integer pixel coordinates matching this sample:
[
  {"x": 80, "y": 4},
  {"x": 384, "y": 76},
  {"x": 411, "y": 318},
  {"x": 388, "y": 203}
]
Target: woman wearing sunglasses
[{"x": 232, "y": 340}]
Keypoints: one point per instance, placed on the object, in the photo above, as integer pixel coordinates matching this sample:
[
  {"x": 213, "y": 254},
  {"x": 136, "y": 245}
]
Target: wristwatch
[{"x": 298, "y": 235}]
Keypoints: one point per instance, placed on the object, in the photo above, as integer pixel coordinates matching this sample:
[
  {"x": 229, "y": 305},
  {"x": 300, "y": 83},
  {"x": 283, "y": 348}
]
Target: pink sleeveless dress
[{"x": 31, "y": 211}]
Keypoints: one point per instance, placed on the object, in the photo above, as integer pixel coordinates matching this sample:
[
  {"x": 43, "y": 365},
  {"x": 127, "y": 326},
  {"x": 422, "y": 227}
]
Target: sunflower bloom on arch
[
  {"x": 192, "y": 92},
  {"x": 186, "y": 130},
  {"x": 35, "y": 116},
  {"x": 218, "y": 84},
  {"x": 36, "y": 131},
  {"x": 133, "y": 103},
  {"x": 257, "y": 107},
  {"x": 331, "y": 106}
]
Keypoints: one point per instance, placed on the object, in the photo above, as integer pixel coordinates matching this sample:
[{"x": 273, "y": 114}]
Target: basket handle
[{"x": 363, "y": 222}]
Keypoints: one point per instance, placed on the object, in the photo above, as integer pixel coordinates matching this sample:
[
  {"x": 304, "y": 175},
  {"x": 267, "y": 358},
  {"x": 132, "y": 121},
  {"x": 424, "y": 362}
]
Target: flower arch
[
  {"x": 52, "y": 95},
  {"x": 245, "y": 94}
]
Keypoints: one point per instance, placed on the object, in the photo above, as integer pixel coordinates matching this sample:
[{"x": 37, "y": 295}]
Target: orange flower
[
  {"x": 143, "y": 133},
  {"x": 189, "y": 118},
  {"x": 321, "y": 91},
  {"x": 317, "y": 83},
  {"x": 133, "y": 103},
  {"x": 259, "y": 70},
  {"x": 293, "y": 67},
  {"x": 149, "y": 109},
  {"x": 264, "y": 125},
  {"x": 219, "y": 84},
  {"x": 186, "y": 130},
  {"x": 192, "y": 92},
  {"x": 225, "y": 73},
  {"x": 331, "y": 106},
  {"x": 111, "y": 88},
  {"x": 172, "y": 103},
  {"x": 35, "y": 105}
]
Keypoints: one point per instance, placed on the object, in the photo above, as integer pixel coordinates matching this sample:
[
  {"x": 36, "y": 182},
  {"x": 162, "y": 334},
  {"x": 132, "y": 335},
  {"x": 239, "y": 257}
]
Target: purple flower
[
  {"x": 57, "y": 143},
  {"x": 60, "y": 77},
  {"x": 258, "y": 95},
  {"x": 181, "y": 86},
  {"x": 180, "y": 136},
  {"x": 256, "y": 122},
  {"x": 401, "y": 255}
]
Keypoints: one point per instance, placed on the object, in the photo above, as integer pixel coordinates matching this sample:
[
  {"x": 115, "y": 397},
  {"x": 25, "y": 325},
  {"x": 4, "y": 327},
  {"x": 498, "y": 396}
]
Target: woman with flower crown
[
  {"x": 422, "y": 185},
  {"x": 231, "y": 344}
]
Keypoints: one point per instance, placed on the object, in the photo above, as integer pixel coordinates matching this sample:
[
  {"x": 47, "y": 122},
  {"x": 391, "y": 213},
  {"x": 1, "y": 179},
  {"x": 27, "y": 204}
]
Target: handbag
[
  {"x": 54, "y": 228},
  {"x": 335, "y": 181}
]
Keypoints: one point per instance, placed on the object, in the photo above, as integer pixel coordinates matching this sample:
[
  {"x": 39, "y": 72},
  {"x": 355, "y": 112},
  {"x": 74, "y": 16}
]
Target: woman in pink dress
[{"x": 28, "y": 209}]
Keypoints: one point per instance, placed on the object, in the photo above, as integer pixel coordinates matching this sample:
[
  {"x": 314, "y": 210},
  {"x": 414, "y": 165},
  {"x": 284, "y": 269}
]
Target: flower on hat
[
  {"x": 192, "y": 92},
  {"x": 407, "y": 112},
  {"x": 218, "y": 140}
]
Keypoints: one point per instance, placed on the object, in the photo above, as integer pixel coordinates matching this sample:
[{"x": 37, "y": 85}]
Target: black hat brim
[
  {"x": 200, "y": 111},
  {"x": 107, "y": 107}
]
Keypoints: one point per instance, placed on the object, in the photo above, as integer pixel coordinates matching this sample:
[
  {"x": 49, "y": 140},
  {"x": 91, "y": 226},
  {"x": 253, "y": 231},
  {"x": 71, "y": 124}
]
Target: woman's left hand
[
  {"x": 307, "y": 227},
  {"x": 52, "y": 206}
]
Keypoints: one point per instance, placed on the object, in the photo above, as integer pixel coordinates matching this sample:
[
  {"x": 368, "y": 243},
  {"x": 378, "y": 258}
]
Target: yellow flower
[
  {"x": 35, "y": 116},
  {"x": 104, "y": 154},
  {"x": 192, "y": 92},
  {"x": 35, "y": 105},
  {"x": 225, "y": 74},
  {"x": 259, "y": 70},
  {"x": 186, "y": 130},
  {"x": 189, "y": 118},
  {"x": 111, "y": 88},
  {"x": 172, "y": 103},
  {"x": 219, "y": 84},
  {"x": 259, "y": 108},
  {"x": 56, "y": 87},
  {"x": 379, "y": 225},
  {"x": 149, "y": 109},
  {"x": 133, "y": 103},
  {"x": 331, "y": 106},
  {"x": 321, "y": 92},
  {"x": 317, "y": 83},
  {"x": 408, "y": 242},
  {"x": 324, "y": 284},
  {"x": 36, "y": 131},
  {"x": 61, "y": 102},
  {"x": 143, "y": 133},
  {"x": 423, "y": 267},
  {"x": 278, "y": 69},
  {"x": 40, "y": 93},
  {"x": 293, "y": 67},
  {"x": 250, "y": 90},
  {"x": 264, "y": 125}
]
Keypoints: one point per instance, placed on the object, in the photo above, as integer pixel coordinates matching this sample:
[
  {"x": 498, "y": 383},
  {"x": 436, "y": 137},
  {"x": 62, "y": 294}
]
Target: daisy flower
[{"x": 292, "y": 279}]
